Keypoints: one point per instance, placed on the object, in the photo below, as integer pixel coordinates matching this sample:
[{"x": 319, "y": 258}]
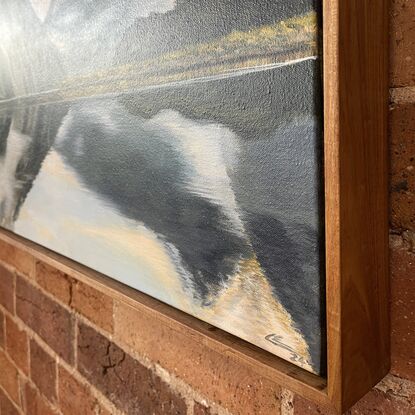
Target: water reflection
[{"x": 177, "y": 194}]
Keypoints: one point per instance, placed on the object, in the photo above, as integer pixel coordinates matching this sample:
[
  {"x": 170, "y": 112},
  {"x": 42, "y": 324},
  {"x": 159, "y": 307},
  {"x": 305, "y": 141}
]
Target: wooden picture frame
[
  {"x": 355, "y": 52},
  {"x": 356, "y": 197}
]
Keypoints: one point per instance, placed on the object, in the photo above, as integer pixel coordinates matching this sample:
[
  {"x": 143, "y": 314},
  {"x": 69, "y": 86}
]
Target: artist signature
[{"x": 277, "y": 340}]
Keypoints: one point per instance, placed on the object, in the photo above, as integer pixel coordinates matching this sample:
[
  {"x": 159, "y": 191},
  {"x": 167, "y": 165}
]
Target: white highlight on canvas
[{"x": 41, "y": 8}]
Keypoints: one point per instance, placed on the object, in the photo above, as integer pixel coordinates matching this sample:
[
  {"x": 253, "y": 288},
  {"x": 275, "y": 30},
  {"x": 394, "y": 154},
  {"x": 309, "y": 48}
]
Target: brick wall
[{"x": 71, "y": 345}]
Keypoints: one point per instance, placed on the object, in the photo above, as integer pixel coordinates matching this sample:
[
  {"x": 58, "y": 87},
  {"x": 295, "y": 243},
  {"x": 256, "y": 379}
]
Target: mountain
[{"x": 197, "y": 21}]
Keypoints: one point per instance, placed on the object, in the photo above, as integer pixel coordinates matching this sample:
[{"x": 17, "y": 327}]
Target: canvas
[{"x": 176, "y": 146}]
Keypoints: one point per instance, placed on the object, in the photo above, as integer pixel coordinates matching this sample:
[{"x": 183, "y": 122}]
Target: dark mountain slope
[{"x": 197, "y": 21}]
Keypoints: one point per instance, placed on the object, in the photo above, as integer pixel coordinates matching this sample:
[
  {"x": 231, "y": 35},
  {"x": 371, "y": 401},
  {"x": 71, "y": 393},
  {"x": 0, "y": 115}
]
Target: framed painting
[{"x": 227, "y": 158}]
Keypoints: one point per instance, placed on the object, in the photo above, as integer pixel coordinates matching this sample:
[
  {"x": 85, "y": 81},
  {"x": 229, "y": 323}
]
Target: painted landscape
[{"x": 176, "y": 146}]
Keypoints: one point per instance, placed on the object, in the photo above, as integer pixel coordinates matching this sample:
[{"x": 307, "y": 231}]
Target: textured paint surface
[{"x": 174, "y": 146}]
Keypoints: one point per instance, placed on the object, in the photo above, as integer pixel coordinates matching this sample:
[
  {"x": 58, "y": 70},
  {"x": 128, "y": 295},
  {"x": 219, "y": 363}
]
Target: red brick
[
  {"x": 7, "y": 289},
  {"x": 200, "y": 409},
  {"x": 35, "y": 404},
  {"x": 76, "y": 398},
  {"x": 217, "y": 377},
  {"x": 22, "y": 261},
  {"x": 304, "y": 407},
  {"x": 110, "y": 369},
  {"x": 17, "y": 345},
  {"x": 94, "y": 305},
  {"x": 402, "y": 127},
  {"x": 43, "y": 371},
  {"x": 403, "y": 313},
  {"x": 7, "y": 407},
  {"x": 54, "y": 281},
  {"x": 86, "y": 300},
  {"x": 53, "y": 323},
  {"x": 393, "y": 396},
  {"x": 377, "y": 402},
  {"x": 402, "y": 38},
  {"x": 2, "y": 332},
  {"x": 9, "y": 377}
]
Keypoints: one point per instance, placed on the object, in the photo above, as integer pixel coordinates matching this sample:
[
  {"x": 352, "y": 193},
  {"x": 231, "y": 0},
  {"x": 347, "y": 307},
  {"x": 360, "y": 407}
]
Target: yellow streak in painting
[
  {"x": 41, "y": 230},
  {"x": 247, "y": 307},
  {"x": 146, "y": 250}
]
